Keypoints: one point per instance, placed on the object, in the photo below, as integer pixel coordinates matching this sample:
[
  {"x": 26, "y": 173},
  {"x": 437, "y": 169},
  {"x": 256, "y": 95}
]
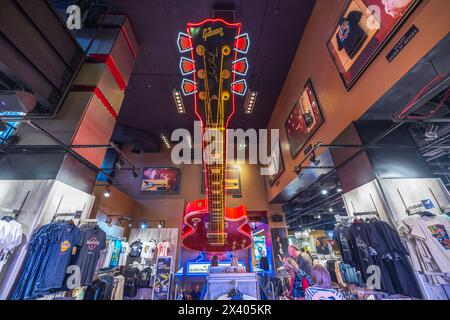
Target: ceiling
[{"x": 275, "y": 28}]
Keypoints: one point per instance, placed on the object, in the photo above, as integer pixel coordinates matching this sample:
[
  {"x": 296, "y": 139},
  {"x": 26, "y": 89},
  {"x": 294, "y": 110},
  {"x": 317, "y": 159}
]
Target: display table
[{"x": 220, "y": 284}]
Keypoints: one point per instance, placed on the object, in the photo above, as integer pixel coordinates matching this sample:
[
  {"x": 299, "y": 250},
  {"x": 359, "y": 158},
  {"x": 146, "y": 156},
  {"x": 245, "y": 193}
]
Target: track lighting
[
  {"x": 250, "y": 102},
  {"x": 324, "y": 192},
  {"x": 107, "y": 192},
  {"x": 165, "y": 140},
  {"x": 314, "y": 159},
  {"x": 178, "y": 101},
  {"x": 339, "y": 190}
]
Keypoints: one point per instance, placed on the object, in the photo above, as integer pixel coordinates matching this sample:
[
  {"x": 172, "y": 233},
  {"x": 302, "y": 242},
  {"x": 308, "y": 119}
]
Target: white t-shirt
[
  {"x": 10, "y": 237},
  {"x": 124, "y": 254},
  {"x": 434, "y": 232},
  {"x": 148, "y": 249}
]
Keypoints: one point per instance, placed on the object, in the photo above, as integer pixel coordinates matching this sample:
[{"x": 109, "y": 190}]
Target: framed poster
[
  {"x": 280, "y": 246},
  {"x": 363, "y": 30},
  {"x": 162, "y": 279},
  {"x": 276, "y": 165},
  {"x": 232, "y": 181},
  {"x": 161, "y": 179},
  {"x": 304, "y": 119}
]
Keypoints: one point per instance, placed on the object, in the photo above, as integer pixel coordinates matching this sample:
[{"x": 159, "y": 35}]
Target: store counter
[{"x": 222, "y": 284}]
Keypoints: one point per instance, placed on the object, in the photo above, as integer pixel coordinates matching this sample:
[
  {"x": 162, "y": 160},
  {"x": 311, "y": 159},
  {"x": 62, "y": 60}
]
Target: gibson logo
[{"x": 208, "y": 32}]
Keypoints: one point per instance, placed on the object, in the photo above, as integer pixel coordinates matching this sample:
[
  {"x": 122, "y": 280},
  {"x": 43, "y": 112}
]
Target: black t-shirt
[
  {"x": 92, "y": 241},
  {"x": 264, "y": 263},
  {"x": 350, "y": 36},
  {"x": 135, "y": 249},
  {"x": 341, "y": 236}
]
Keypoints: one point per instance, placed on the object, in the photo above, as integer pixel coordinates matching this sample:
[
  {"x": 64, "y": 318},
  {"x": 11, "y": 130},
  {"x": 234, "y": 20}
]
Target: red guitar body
[{"x": 195, "y": 229}]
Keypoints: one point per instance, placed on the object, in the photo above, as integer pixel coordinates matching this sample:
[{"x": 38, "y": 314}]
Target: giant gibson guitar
[{"x": 213, "y": 46}]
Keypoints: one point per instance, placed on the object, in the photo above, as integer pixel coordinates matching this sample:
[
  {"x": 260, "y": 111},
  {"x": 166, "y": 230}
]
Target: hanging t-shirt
[
  {"x": 350, "y": 36},
  {"x": 148, "y": 249},
  {"x": 93, "y": 240},
  {"x": 163, "y": 249},
  {"x": 136, "y": 249},
  {"x": 116, "y": 254},
  {"x": 108, "y": 254},
  {"x": 124, "y": 254},
  {"x": 434, "y": 231}
]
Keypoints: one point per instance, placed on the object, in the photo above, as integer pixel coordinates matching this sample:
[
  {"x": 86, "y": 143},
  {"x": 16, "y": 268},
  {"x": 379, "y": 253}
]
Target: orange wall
[{"x": 340, "y": 107}]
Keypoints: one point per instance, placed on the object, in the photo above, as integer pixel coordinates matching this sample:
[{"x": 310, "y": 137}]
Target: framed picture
[
  {"x": 280, "y": 245},
  {"x": 304, "y": 119},
  {"x": 232, "y": 181},
  {"x": 161, "y": 180},
  {"x": 363, "y": 30},
  {"x": 276, "y": 165}
]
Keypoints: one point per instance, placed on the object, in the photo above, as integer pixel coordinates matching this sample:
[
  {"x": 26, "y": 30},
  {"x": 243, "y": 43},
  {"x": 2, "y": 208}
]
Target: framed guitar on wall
[{"x": 304, "y": 119}]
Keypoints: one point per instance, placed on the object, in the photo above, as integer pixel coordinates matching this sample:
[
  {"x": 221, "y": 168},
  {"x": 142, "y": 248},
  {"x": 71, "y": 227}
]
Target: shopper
[
  {"x": 214, "y": 261},
  {"x": 295, "y": 253},
  {"x": 305, "y": 254},
  {"x": 196, "y": 294},
  {"x": 322, "y": 288},
  {"x": 300, "y": 281}
]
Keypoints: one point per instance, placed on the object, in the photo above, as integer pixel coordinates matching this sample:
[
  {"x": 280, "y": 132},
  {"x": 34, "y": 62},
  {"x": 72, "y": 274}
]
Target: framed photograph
[
  {"x": 280, "y": 246},
  {"x": 232, "y": 181},
  {"x": 363, "y": 30},
  {"x": 161, "y": 180},
  {"x": 276, "y": 165},
  {"x": 304, "y": 119}
]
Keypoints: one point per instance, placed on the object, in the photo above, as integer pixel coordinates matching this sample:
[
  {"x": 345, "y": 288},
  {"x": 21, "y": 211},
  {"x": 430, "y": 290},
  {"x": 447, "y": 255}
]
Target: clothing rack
[
  {"x": 14, "y": 213},
  {"x": 369, "y": 213},
  {"x": 74, "y": 215}
]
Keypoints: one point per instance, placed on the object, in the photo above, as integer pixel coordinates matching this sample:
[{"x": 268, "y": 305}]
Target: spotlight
[
  {"x": 324, "y": 192},
  {"x": 339, "y": 189},
  {"x": 130, "y": 225},
  {"x": 330, "y": 209},
  {"x": 319, "y": 216},
  {"x": 160, "y": 225},
  {"x": 107, "y": 192},
  {"x": 431, "y": 132},
  {"x": 314, "y": 160},
  {"x": 135, "y": 174},
  {"x": 143, "y": 225},
  {"x": 119, "y": 164}
]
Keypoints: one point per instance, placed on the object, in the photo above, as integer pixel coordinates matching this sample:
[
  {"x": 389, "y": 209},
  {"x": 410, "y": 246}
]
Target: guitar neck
[{"x": 215, "y": 182}]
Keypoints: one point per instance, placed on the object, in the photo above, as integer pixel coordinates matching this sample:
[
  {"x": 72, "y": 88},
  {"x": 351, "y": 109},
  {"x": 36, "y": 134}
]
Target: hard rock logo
[
  {"x": 92, "y": 244},
  {"x": 65, "y": 245}
]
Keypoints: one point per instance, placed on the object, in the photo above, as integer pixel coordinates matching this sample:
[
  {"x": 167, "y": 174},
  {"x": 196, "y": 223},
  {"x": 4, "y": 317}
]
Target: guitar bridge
[{"x": 216, "y": 239}]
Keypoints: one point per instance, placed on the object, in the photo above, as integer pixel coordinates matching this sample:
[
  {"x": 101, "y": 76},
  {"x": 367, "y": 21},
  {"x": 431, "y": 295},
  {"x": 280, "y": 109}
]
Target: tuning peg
[
  {"x": 240, "y": 66},
  {"x": 239, "y": 87},
  {"x": 184, "y": 42},
  {"x": 188, "y": 87},
  {"x": 187, "y": 66},
  {"x": 242, "y": 43}
]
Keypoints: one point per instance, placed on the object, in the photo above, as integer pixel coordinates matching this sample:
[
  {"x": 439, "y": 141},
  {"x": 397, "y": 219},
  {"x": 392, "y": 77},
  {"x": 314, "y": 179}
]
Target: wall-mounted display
[
  {"x": 232, "y": 181},
  {"x": 304, "y": 119},
  {"x": 155, "y": 179},
  {"x": 276, "y": 165},
  {"x": 363, "y": 30}
]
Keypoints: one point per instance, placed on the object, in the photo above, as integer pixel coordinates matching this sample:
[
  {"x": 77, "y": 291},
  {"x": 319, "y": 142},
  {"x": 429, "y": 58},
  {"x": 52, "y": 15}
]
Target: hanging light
[{"x": 107, "y": 192}]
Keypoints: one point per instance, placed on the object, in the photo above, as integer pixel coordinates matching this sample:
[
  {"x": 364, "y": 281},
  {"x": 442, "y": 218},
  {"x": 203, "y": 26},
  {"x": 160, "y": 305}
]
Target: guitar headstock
[{"x": 214, "y": 68}]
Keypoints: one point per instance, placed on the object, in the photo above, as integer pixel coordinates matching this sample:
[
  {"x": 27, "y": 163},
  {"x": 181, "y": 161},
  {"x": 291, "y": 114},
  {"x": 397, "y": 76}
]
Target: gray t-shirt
[{"x": 92, "y": 241}]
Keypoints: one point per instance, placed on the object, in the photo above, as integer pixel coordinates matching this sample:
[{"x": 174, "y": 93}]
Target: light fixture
[
  {"x": 250, "y": 102},
  {"x": 324, "y": 192},
  {"x": 107, "y": 192},
  {"x": 134, "y": 174},
  {"x": 319, "y": 216},
  {"x": 189, "y": 140},
  {"x": 130, "y": 225},
  {"x": 119, "y": 164},
  {"x": 178, "y": 99},
  {"x": 143, "y": 225},
  {"x": 314, "y": 159},
  {"x": 330, "y": 209},
  {"x": 165, "y": 140},
  {"x": 339, "y": 189},
  {"x": 431, "y": 132},
  {"x": 161, "y": 224}
]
